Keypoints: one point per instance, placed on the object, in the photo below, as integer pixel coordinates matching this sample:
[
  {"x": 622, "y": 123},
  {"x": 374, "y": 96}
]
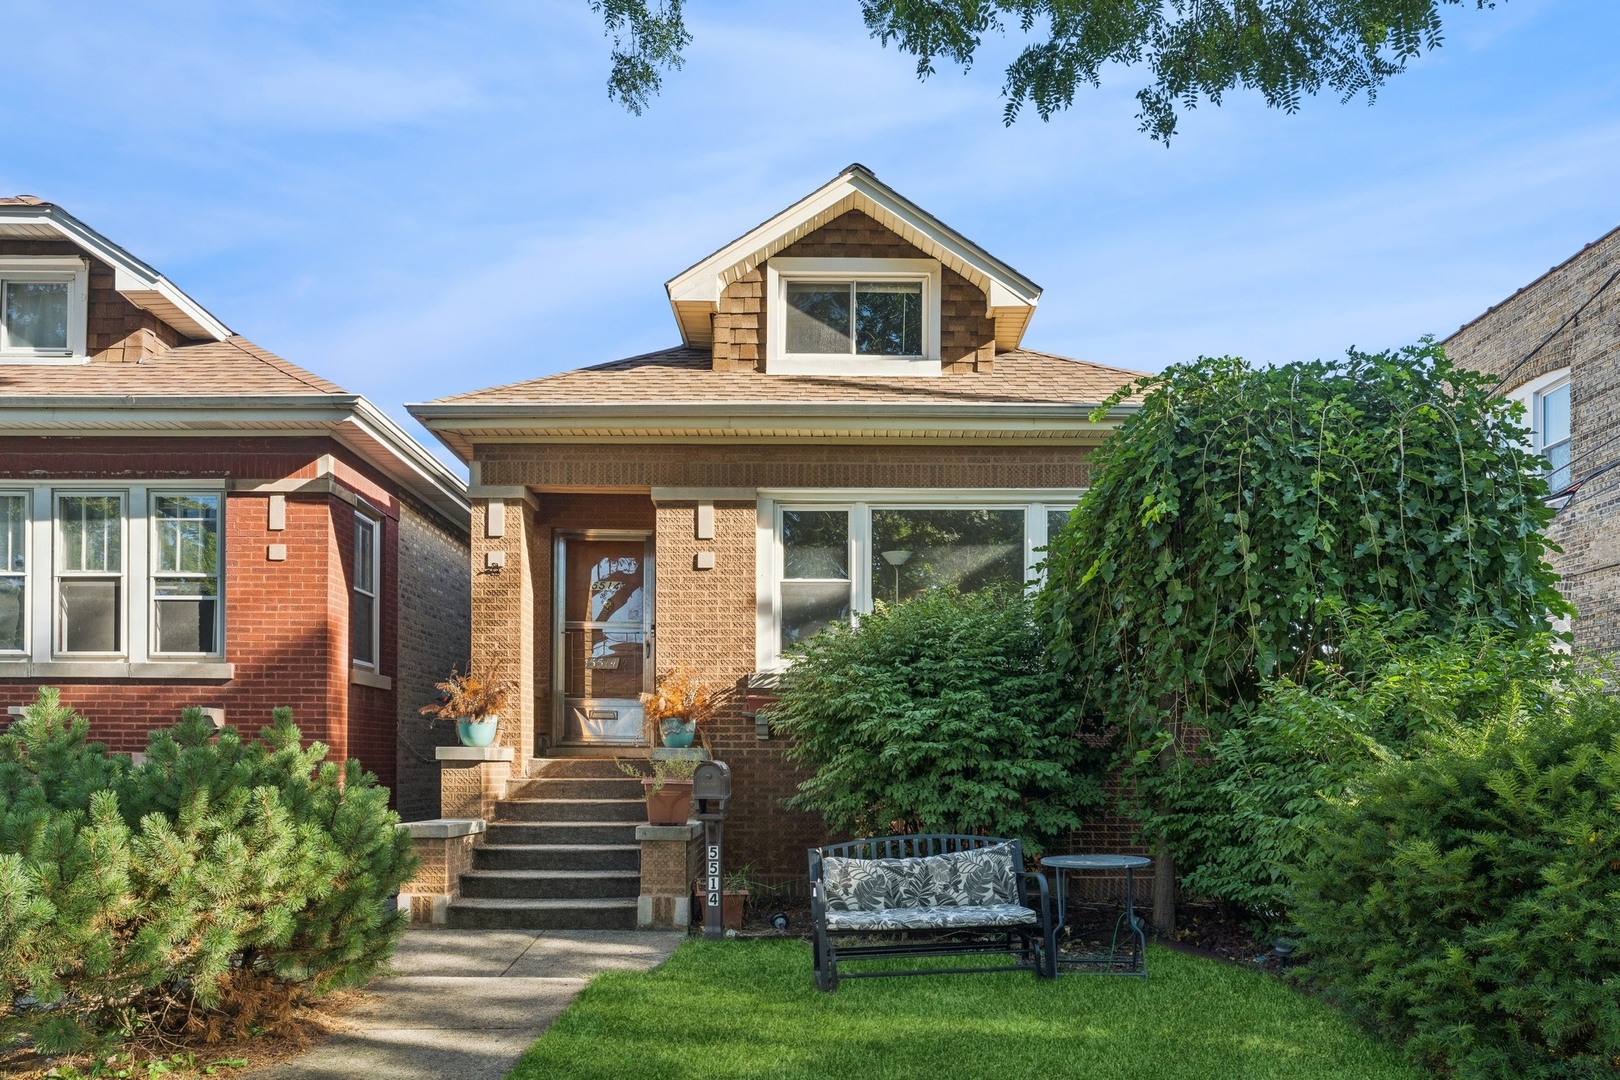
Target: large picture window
[
  {"x": 363, "y": 608},
  {"x": 825, "y": 559},
  {"x": 13, "y": 572},
  {"x": 90, "y": 573},
  {"x": 185, "y": 573}
]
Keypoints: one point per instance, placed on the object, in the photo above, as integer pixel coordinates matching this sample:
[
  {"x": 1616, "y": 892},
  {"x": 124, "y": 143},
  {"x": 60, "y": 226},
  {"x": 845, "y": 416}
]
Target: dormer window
[
  {"x": 42, "y": 310},
  {"x": 853, "y": 316}
]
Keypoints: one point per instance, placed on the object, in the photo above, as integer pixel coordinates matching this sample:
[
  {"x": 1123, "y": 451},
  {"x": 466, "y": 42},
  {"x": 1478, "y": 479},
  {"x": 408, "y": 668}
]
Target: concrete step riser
[
  {"x": 495, "y": 857},
  {"x": 582, "y": 768},
  {"x": 466, "y": 918},
  {"x": 575, "y": 833},
  {"x": 590, "y": 788},
  {"x": 631, "y": 810},
  {"x": 481, "y": 887}
]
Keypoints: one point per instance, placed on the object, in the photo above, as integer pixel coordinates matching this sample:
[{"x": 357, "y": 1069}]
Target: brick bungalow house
[
  {"x": 1555, "y": 345},
  {"x": 849, "y": 415},
  {"x": 187, "y": 519}
]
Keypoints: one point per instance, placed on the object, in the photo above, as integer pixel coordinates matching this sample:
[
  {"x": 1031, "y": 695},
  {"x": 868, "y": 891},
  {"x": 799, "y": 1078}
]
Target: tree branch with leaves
[{"x": 1195, "y": 50}]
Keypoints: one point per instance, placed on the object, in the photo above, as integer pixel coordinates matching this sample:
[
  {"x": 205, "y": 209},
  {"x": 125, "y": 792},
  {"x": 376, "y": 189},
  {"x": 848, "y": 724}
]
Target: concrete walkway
[{"x": 465, "y": 1004}]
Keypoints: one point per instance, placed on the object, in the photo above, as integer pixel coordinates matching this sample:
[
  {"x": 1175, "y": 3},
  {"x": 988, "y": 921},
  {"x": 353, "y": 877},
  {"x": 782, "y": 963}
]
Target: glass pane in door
[{"x": 604, "y": 640}]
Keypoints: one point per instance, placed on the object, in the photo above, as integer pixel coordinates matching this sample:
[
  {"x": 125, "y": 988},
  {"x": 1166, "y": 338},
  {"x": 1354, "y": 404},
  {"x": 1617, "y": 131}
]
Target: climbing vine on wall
[{"x": 1241, "y": 507}]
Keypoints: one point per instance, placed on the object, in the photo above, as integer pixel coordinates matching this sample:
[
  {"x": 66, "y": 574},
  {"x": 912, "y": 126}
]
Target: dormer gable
[
  {"x": 854, "y": 279},
  {"x": 69, "y": 295}
]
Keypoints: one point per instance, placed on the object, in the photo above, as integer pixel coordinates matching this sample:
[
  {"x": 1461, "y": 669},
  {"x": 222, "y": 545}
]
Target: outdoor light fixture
[
  {"x": 896, "y": 559},
  {"x": 780, "y": 921},
  {"x": 1282, "y": 949}
]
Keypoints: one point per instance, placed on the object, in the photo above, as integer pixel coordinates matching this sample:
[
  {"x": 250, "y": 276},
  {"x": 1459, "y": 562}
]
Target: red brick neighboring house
[
  {"x": 1555, "y": 346},
  {"x": 187, "y": 519},
  {"x": 850, "y": 414}
]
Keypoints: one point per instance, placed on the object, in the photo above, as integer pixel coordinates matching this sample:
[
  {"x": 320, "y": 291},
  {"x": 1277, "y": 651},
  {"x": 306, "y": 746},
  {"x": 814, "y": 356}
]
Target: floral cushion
[
  {"x": 973, "y": 878},
  {"x": 932, "y": 918}
]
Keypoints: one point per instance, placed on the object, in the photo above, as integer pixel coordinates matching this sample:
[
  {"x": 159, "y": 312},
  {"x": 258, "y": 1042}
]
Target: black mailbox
[{"x": 712, "y": 780}]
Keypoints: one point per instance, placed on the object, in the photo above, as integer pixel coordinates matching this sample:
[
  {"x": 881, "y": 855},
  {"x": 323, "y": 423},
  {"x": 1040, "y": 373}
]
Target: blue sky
[{"x": 419, "y": 199}]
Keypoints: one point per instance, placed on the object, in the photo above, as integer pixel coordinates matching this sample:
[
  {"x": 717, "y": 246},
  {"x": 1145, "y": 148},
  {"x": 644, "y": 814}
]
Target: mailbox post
[{"x": 711, "y": 787}]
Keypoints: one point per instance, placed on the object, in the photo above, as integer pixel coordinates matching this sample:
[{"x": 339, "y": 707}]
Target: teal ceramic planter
[
  {"x": 477, "y": 732},
  {"x": 678, "y": 733}
]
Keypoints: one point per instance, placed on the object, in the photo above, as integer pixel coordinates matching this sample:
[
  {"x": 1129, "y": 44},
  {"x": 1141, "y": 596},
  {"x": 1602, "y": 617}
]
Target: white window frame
[
  {"x": 363, "y": 520},
  {"x": 779, "y": 271},
  {"x": 1530, "y": 395},
  {"x": 153, "y": 574},
  {"x": 29, "y": 571},
  {"x": 1542, "y": 445},
  {"x": 61, "y": 573},
  {"x": 768, "y": 554},
  {"x": 70, "y": 269}
]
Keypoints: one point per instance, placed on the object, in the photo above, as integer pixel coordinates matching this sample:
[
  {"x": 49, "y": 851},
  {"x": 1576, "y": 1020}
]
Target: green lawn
[{"x": 747, "y": 1009}]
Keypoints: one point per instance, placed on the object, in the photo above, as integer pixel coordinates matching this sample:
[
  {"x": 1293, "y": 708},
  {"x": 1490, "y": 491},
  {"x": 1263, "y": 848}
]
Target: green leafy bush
[
  {"x": 1467, "y": 898},
  {"x": 1241, "y": 509},
  {"x": 1241, "y": 811},
  {"x": 132, "y": 895},
  {"x": 939, "y": 714}
]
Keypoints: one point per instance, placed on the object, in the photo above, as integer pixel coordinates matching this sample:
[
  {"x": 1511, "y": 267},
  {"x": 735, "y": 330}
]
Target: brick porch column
[
  {"x": 445, "y": 847},
  {"x": 505, "y": 550},
  {"x": 671, "y": 858},
  {"x": 472, "y": 779}
]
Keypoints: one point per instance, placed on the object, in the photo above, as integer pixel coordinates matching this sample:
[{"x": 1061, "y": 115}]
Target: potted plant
[
  {"x": 733, "y": 896},
  {"x": 668, "y": 790},
  {"x": 473, "y": 699},
  {"x": 675, "y": 708}
]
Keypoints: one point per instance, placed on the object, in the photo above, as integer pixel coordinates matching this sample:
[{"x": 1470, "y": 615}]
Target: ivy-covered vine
[{"x": 1242, "y": 509}]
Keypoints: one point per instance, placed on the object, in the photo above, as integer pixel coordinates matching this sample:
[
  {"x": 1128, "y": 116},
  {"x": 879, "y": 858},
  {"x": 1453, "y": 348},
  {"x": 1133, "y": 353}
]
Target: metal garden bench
[{"x": 968, "y": 894}]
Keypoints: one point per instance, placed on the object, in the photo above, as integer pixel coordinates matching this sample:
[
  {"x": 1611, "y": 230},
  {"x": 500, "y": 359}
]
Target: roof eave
[
  {"x": 349, "y": 418},
  {"x": 136, "y": 280}
]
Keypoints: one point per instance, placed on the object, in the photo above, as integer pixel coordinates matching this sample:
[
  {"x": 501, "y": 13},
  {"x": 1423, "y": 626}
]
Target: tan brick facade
[
  {"x": 1570, "y": 318},
  {"x": 967, "y": 333}
]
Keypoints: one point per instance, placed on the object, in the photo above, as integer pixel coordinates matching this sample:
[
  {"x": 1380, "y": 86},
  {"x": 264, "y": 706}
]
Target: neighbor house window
[
  {"x": 42, "y": 309},
  {"x": 13, "y": 573},
  {"x": 825, "y": 558},
  {"x": 853, "y": 316},
  {"x": 90, "y": 573},
  {"x": 363, "y": 608},
  {"x": 185, "y": 573},
  {"x": 1552, "y": 433}
]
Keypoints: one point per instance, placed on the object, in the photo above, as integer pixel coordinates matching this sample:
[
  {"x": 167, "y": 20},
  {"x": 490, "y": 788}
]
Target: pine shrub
[
  {"x": 939, "y": 714},
  {"x": 142, "y": 895},
  {"x": 1466, "y": 898}
]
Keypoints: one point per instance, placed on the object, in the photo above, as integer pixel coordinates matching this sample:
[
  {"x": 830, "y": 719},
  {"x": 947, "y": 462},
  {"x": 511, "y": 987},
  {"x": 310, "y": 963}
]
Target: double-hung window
[
  {"x": 14, "y": 526},
  {"x": 363, "y": 607},
  {"x": 1552, "y": 433},
  {"x": 90, "y": 573},
  {"x": 826, "y": 556},
  {"x": 185, "y": 573},
  {"x": 42, "y": 310}
]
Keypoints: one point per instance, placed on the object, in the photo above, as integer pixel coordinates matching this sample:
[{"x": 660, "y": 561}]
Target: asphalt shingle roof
[
  {"x": 685, "y": 376},
  {"x": 234, "y": 367}
]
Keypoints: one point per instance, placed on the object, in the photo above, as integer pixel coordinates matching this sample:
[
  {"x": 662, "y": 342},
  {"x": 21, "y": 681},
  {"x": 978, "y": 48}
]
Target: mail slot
[{"x": 712, "y": 780}]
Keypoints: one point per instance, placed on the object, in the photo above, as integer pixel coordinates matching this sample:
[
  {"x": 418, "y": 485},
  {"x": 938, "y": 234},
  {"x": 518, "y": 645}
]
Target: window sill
[
  {"x": 360, "y": 676},
  {"x": 208, "y": 670},
  {"x": 841, "y": 364},
  {"x": 42, "y": 359}
]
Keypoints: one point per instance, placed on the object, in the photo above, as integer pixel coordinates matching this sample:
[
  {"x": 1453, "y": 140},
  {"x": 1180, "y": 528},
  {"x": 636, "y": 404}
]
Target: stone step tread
[
  {"x": 570, "y": 848},
  {"x": 616, "y": 802},
  {"x": 570, "y": 875},
  {"x": 545, "y": 905}
]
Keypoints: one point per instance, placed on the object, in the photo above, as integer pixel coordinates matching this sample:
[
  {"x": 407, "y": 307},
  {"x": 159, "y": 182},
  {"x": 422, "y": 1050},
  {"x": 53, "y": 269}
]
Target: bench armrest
[{"x": 1042, "y": 898}]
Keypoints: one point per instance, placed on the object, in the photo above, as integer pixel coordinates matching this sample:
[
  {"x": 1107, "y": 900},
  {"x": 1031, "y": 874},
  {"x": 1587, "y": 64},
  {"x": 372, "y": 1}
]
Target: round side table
[{"x": 1128, "y": 924}]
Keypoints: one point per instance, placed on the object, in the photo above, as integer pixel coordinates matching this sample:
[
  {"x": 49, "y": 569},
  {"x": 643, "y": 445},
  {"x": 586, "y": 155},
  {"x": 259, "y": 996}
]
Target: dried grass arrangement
[
  {"x": 476, "y": 694},
  {"x": 677, "y": 694}
]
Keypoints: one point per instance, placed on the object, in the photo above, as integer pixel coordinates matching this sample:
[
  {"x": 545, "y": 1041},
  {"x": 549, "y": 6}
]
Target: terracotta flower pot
[
  {"x": 671, "y": 804},
  {"x": 731, "y": 905}
]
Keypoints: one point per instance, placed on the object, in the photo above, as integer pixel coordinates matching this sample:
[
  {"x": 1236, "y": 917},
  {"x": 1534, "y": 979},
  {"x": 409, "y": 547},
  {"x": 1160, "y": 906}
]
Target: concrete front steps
[{"x": 561, "y": 853}]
